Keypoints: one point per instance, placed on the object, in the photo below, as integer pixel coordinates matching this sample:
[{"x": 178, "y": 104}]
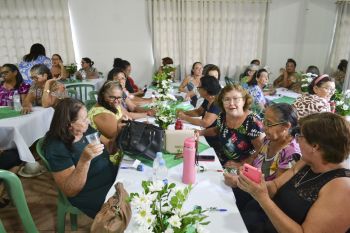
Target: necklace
[{"x": 301, "y": 183}]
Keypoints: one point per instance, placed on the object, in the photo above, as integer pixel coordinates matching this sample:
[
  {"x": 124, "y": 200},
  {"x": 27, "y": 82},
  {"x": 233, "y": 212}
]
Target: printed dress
[
  {"x": 237, "y": 143},
  {"x": 283, "y": 159}
]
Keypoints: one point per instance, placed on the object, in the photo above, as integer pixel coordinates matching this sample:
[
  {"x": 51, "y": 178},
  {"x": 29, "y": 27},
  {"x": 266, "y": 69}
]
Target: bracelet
[{"x": 47, "y": 91}]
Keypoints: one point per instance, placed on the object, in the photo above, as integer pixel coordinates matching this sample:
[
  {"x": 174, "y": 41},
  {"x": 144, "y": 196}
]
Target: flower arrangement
[
  {"x": 165, "y": 114},
  {"x": 305, "y": 80},
  {"x": 342, "y": 102},
  {"x": 71, "y": 68},
  {"x": 159, "y": 209}
]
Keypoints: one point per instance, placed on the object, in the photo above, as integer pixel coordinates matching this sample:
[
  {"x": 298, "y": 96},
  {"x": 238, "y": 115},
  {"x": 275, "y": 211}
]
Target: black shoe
[{"x": 4, "y": 202}]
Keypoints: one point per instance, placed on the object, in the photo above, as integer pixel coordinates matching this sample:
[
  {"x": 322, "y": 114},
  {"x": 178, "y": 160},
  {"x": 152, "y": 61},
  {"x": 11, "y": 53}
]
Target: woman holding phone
[{"x": 313, "y": 195}]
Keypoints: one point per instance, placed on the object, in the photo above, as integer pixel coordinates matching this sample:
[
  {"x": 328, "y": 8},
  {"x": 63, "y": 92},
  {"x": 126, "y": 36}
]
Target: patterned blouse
[
  {"x": 283, "y": 159},
  {"x": 258, "y": 97},
  {"x": 24, "y": 67},
  {"x": 94, "y": 111},
  {"x": 38, "y": 93},
  {"x": 6, "y": 95},
  {"x": 237, "y": 143},
  {"x": 308, "y": 104}
]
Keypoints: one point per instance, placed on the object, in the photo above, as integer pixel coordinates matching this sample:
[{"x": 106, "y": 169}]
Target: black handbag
[{"x": 143, "y": 139}]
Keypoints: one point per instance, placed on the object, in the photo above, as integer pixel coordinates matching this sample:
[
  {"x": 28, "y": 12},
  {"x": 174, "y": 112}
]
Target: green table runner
[
  {"x": 170, "y": 159},
  {"x": 284, "y": 99},
  {"x": 7, "y": 112}
]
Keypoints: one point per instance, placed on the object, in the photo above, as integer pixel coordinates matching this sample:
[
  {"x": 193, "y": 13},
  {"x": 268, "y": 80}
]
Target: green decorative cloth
[
  {"x": 284, "y": 99},
  {"x": 170, "y": 159},
  {"x": 7, "y": 113}
]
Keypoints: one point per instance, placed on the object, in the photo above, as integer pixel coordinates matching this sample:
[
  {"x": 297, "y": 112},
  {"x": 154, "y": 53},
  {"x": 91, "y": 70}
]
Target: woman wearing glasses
[
  {"x": 313, "y": 196},
  {"x": 12, "y": 82},
  {"x": 321, "y": 90},
  {"x": 39, "y": 94},
  {"x": 279, "y": 151},
  {"x": 106, "y": 115},
  {"x": 239, "y": 130}
]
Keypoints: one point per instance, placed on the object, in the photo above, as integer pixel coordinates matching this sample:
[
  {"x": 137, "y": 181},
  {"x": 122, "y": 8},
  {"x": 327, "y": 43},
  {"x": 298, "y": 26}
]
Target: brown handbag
[{"x": 115, "y": 214}]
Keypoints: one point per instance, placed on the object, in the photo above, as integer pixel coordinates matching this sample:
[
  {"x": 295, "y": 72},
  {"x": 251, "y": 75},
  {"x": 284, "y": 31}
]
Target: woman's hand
[
  {"x": 180, "y": 114},
  {"x": 26, "y": 109},
  {"x": 91, "y": 151},
  {"x": 258, "y": 191},
  {"x": 230, "y": 180}
]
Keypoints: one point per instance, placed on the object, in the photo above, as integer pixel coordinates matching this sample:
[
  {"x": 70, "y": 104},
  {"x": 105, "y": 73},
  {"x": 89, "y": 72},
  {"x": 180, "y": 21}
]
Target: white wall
[
  {"x": 103, "y": 30},
  {"x": 299, "y": 29}
]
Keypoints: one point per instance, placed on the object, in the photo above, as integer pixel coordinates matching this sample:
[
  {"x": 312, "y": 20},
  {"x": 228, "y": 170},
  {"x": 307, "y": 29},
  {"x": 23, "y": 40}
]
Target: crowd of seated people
[{"x": 273, "y": 142}]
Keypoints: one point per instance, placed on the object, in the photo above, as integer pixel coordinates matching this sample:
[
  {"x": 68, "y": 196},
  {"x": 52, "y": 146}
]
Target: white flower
[
  {"x": 145, "y": 218},
  {"x": 345, "y": 107},
  {"x": 169, "y": 230},
  {"x": 340, "y": 102},
  {"x": 172, "y": 97},
  {"x": 304, "y": 85},
  {"x": 347, "y": 94},
  {"x": 144, "y": 200},
  {"x": 156, "y": 186},
  {"x": 175, "y": 221},
  {"x": 309, "y": 80},
  {"x": 142, "y": 229},
  {"x": 201, "y": 229}
]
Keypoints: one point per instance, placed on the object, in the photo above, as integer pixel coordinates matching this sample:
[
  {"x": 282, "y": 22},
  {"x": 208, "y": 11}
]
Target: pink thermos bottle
[{"x": 189, "y": 166}]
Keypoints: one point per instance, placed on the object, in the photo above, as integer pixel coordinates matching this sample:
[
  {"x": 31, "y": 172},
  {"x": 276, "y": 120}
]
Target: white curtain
[
  {"x": 340, "y": 46},
  {"x": 25, "y": 22},
  {"x": 228, "y": 33}
]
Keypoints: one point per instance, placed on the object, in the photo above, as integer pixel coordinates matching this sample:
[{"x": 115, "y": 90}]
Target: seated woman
[
  {"x": 256, "y": 90},
  {"x": 339, "y": 75},
  {"x": 279, "y": 151},
  {"x": 212, "y": 70},
  {"x": 208, "y": 89},
  {"x": 38, "y": 94},
  {"x": 87, "y": 70},
  {"x": 130, "y": 101},
  {"x": 321, "y": 90},
  {"x": 13, "y": 82},
  {"x": 82, "y": 171},
  {"x": 313, "y": 195},
  {"x": 191, "y": 82},
  {"x": 58, "y": 70},
  {"x": 37, "y": 55},
  {"x": 106, "y": 115},
  {"x": 239, "y": 130},
  {"x": 248, "y": 75}
]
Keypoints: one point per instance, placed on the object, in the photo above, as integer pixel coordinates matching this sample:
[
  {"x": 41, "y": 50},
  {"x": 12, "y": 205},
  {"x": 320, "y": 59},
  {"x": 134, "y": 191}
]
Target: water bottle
[
  {"x": 16, "y": 101},
  {"x": 189, "y": 165},
  {"x": 160, "y": 171}
]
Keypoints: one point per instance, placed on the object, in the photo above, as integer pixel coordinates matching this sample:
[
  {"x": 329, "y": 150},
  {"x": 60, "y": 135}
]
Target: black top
[{"x": 296, "y": 197}]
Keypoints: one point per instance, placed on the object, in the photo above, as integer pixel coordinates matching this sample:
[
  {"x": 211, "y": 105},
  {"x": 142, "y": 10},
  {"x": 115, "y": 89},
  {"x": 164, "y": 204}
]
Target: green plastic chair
[
  {"x": 15, "y": 190},
  {"x": 82, "y": 90},
  {"x": 92, "y": 95},
  {"x": 63, "y": 205}
]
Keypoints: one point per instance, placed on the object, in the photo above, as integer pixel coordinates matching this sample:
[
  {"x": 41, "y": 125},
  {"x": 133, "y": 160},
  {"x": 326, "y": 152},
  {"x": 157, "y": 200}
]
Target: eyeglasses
[
  {"x": 329, "y": 89},
  {"x": 229, "y": 100},
  {"x": 114, "y": 98},
  {"x": 2, "y": 74},
  {"x": 267, "y": 124},
  {"x": 34, "y": 77}
]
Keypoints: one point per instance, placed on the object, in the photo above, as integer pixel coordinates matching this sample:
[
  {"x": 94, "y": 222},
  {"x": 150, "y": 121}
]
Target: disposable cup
[{"x": 93, "y": 138}]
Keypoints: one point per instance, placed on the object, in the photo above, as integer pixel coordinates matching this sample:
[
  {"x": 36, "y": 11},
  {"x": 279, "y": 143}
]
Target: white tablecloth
[
  {"x": 209, "y": 191},
  {"x": 24, "y": 130}
]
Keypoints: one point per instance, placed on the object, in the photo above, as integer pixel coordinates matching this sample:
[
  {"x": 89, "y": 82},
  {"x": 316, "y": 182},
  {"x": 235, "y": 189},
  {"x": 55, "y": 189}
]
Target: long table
[
  {"x": 22, "y": 131},
  {"x": 208, "y": 191}
]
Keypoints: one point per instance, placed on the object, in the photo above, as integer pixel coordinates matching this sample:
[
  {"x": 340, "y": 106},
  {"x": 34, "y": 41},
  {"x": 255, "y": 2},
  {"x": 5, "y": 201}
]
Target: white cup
[{"x": 93, "y": 138}]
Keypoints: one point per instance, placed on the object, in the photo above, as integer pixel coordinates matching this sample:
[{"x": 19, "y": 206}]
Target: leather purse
[
  {"x": 115, "y": 214},
  {"x": 140, "y": 138}
]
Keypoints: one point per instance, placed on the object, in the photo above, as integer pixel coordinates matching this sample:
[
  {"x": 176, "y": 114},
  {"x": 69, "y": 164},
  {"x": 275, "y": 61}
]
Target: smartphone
[
  {"x": 209, "y": 158},
  {"x": 252, "y": 173}
]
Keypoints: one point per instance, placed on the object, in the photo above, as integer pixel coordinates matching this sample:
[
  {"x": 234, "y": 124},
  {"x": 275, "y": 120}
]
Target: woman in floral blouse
[
  {"x": 13, "y": 81},
  {"x": 240, "y": 131}
]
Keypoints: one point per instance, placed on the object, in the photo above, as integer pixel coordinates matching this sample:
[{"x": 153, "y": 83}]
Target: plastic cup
[{"x": 93, "y": 138}]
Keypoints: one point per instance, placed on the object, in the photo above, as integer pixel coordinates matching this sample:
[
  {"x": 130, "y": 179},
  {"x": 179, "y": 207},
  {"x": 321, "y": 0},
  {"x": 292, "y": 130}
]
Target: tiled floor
[{"x": 41, "y": 197}]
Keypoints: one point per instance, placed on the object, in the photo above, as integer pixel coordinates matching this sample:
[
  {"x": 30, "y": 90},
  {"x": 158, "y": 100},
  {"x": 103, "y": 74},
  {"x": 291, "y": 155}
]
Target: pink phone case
[{"x": 252, "y": 173}]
